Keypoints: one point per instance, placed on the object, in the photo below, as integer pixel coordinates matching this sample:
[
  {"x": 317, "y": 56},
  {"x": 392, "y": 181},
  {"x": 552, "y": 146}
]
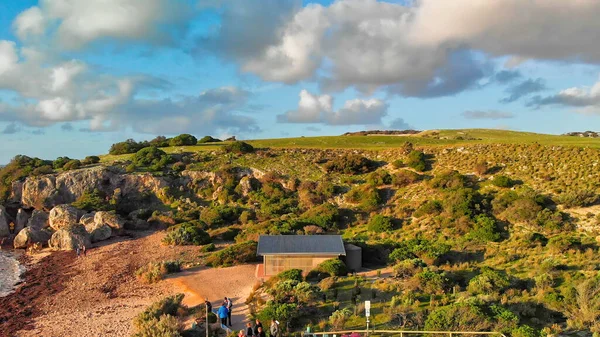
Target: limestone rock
[
  {"x": 63, "y": 216},
  {"x": 69, "y": 238},
  {"x": 88, "y": 221},
  {"x": 247, "y": 184},
  {"x": 38, "y": 220},
  {"x": 4, "y": 223},
  {"x": 100, "y": 233},
  {"x": 30, "y": 235},
  {"x": 110, "y": 219},
  {"x": 21, "y": 221}
]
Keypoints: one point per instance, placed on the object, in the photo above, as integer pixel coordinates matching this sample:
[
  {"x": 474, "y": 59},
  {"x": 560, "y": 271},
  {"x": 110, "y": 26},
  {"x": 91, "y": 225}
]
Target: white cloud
[
  {"x": 487, "y": 114},
  {"x": 30, "y": 23},
  {"x": 319, "y": 109},
  {"x": 8, "y": 56},
  {"x": 584, "y": 99}
]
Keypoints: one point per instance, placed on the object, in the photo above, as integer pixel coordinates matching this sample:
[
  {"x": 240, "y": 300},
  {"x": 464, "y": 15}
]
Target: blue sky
[{"x": 78, "y": 76}]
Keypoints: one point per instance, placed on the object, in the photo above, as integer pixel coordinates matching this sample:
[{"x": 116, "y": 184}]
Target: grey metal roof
[{"x": 301, "y": 245}]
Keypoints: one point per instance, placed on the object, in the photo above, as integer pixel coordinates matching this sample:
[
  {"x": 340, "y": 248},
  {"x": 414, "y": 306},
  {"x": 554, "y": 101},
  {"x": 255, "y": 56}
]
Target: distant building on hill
[{"x": 304, "y": 252}]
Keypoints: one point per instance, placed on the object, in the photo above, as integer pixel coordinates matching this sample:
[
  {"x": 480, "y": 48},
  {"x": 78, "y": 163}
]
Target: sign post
[{"x": 368, "y": 313}]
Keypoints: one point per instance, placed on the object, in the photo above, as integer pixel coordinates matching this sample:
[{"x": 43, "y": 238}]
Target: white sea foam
[{"x": 10, "y": 273}]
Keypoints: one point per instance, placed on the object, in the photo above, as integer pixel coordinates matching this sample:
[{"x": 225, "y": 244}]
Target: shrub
[
  {"x": 432, "y": 282},
  {"x": 367, "y": 197},
  {"x": 378, "y": 178},
  {"x": 404, "y": 178},
  {"x": 325, "y": 216},
  {"x": 238, "y": 148},
  {"x": 431, "y": 207},
  {"x": 291, "y": 274},
  {"x": 562, "y": 243},
  {"x": 89, "y": 160},
  {"x": 485, "y": 229},
  {"x": 233, "y": 255},
  {"x": 398, "y": 163},
  {"x": 461, "y": 316},
  {"x": 208, "y": 139},
  {"x": 579, "y": 198},
  {"x": 166, "y": 306},
  {"x": 18, "y": 168},
  {"x": 283, "y": 312},
  {"x": 339, "y": 317},
  {"x": 380, "y": 224},
  {"x": 183, "y": 140},
  {"x": 503, "y": 181},
  {"x": 401, "y": 253},
  {"x": 156, "y": 271},
  {"x": 159, "y": 141},
  {"x": 450, "y": 180},
  {"x": 164, "y": 326},
  {"x": 60, "y": 162},
  {"x": 333, "y": 267},
  {"x": 93, "y": 201},
  {"x": 416, "y": 161},
  {"x": 42, "y": 170},
  {"x": 219, "y": 216},
  {"x": 408, "y": 267},
  {"x": 524, "y": 331},
  {"x": 349, "y": 164},
  {"x": 148, "y": 156},
  {"x": 128, "y": 146},
  {"x": 481, "y": 168},
  {"x": 186, "y": 234},
  {"x": 489, "y": 281},
  {"x": 208, "y": 248},
  {"x": 178, "y": 166},
  {"x": 72, "y": 165}
]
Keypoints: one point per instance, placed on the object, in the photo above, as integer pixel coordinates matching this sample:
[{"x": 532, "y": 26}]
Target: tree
[
  {"x": 238, "y": 148},
  {"x": 416, "y": 160},
  {"x": 183, "y": 140}
]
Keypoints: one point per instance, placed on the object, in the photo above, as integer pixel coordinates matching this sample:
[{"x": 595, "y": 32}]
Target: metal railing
[{"x": 400, "y": 333}]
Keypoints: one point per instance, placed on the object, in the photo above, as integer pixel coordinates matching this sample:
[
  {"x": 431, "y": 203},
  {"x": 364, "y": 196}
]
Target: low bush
[
  {"x": 503, "y": 181},
  {"x": 60, "y": 162},
  {"x": 380, "y": 224},
  {"x": 89, "y": 160},
  {"x": 93, "y": 201},
  {"x": 233, "y": 255},
  {"x": 167, "y": 306},
  {"x": 291, "y": 274},
  {"x": 462, "y": 316},
  {"x": 450, "y": 180},
  {"x": 367, "y": 197},
  {"x": 485, "y": 229},
  {"x": 325, "y": 216},
  {"x": 488, "y": 281},
  {"x": 220, "y": 215},
  {"x": 432, "y": 282},
  {"x": 164, "y": 326},
  {"x": 208, "y": 248},
  {"x": 405, "y": 178},
  {"x": 186, "y": 234},
  {"x": 431, "y": 207},
  {"x": 350, "y": 164},
  {"x": 333, "y": 267},
  {"x": 183, "y": 140},
  {"x": 72, "y": 165},
  {"x": 128, "y": 146},
  {"x": 152, "y": 157},
  {"x": 398, "y": 163},
  {"x": 562, "y": 243},
  {"x": 208, "y": 139},
  {"x": 156, "y": 271},
  {"x": 579, "y": 198},
  {"x": 416, "y": 161},
  {"x": 238, "y": 147},
  {"x": 379, "y": 177}
]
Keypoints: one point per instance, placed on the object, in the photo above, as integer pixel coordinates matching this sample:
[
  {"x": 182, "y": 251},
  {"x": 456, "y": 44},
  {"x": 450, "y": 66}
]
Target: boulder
[
  {"x": 21, "y": 221},
  {"x": 69, "y": 238},
  {"x": 137, "y": 224},
  {"x": 38, "y": 220},
  {"x": 4, "y": 223},
  {"x": 110, "y": 219},
  {"x": 100, "y": 233},
  {"x": 29, "y": 235},
  {"x": 88, "y": 221},
  {"x": 63, "y": 216},
  {"x": 247, "y": 184}
]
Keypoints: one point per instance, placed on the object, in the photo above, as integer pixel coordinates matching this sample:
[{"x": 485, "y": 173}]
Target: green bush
[
  {"x": 367, "y": 197},
  {"x": 89, "y": 160},
  {"x": 208, "y": 248},
  {"x": 186, "y": 234},
  {"x": 166, "y": 306},
  {"x": 233, "y": 255},
  {"x": 488, "y": 281},
  {"x": 238, "y": 148},
  {"x": 416, "y": 161},
  {"x": 208, "y": 139},
  {"x": 220, "y": 215},
  {"x": 152, "y": 157},
  {"x": 349, "y": 164},
  {"x": 450, "y": 180},
  {"x": 128, "y": 146},
  {"x": 18, "y": 168},
  {"x": 183, "y": 140},
  {"x": 503, "y": 181},
  {"x": 524, "y": 331},
  {"x": 159, "y": 141},
  {"x": 283, "y": 312},
  {"x": 333, "y": 267},
  {"x": 72, "y": 165},
  {"x": 379, "y": 177},
  {"x": 485, "y": 229},
  {"x": 164, "y": 326},
  {"x": 461, "y": 316},
  {"x": 562, "y": 243},
  {"x": 432, "y": 282},
  {"x": 579, "y": 198},
  {"x": 380, "y": 224},
  {"x": 325, "y": 216},
  {"x": 60, "y": 162},
  {"x": 431, "y": 207},
  {"x": 93, "y": 201},
  {"x": 401, "y": 253},
  {"x": 405, "y": 178},
  {"x": 156, "y": 271},
  {"x": 42, "y": 170},
  {"x": 291, "y": 274}
]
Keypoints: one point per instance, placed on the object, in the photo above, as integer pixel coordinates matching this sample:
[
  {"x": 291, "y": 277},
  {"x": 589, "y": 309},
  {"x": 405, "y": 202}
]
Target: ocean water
[{"x": 10, "y": 272}]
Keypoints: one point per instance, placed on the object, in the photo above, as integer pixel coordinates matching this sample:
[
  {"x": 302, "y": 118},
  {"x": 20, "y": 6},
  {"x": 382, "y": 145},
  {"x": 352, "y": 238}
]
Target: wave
[{"x": 10, "y": 273}]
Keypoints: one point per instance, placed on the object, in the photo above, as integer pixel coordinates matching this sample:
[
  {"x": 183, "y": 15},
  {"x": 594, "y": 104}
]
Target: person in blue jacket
[{"x": 223, "y": 313}]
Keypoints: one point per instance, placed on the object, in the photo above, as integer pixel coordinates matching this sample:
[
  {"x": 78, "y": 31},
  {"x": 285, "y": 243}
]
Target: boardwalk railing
[{"x": 400, "y": 333}]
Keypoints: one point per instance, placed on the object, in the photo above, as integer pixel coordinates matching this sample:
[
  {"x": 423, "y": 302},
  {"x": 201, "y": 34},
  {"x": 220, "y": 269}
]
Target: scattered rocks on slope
[
  {"x": 101, "y": 233},
  {"x": 88, "y": 220},
  {"x": 110, "y": 219},
  {"x": 69, "y": 238},
  {"x": 63, "y": 216},
  {"x": 38, "y": 220},
  {"x": 30, "y": 235},
  {"x": 4, "y": 223},
  {"x": 21, "y": 221}
]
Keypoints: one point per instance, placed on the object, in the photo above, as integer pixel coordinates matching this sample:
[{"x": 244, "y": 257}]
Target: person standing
[
  {"x": 223, "y": 312},
  {"x": 257, "y": 326},
  {"x": 249, "y": 330},
  {"x": 229, "y": 307},
  {"x": 261, "y": 333},
  {"x": 274, "y": 328}
]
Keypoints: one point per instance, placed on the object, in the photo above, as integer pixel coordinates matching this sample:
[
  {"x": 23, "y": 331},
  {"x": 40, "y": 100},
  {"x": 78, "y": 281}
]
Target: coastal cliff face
[{"x": 48, "y": 191}]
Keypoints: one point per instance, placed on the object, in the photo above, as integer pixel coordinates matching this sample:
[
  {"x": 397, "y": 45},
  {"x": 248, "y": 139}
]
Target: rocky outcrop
[
  {"x": 29, "y": 235},
  {"x": 63, "y": 216},
  {"x": 69, "y": 238},
  {"x": 47, "y": 191},
  {"x": 21, "y": 221},
  {"x": 87, "y": 220},
  {"x": 100, "y": 233},
  {"x": 38, "y": 220},
  {"x": 4, "y": 223},
  {"x": 110, "y": 219},
  {"x": 247, "y": 184}
]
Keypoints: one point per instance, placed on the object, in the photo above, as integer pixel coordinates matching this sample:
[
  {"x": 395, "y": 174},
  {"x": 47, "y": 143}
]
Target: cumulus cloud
[
  {"x": 319, "y": 109},
  {"x": 487, "y": 114},
  {"x": 584, "y": 99},
  {"x": 76, "y": 23},
  {"x": 524, "y": 88},
  {"x": 427, "y": 48}
]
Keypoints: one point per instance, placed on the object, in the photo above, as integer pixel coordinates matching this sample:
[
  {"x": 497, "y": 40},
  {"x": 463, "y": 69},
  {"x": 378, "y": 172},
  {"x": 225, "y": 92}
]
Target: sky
[{"x": 77, "y": 76}]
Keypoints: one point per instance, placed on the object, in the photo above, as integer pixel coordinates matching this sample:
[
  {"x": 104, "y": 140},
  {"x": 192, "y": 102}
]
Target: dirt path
[{"x": 216, "y": 283}]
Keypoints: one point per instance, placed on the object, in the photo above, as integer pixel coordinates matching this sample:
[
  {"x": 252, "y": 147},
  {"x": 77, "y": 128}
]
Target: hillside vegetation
[{"x": 479, "y": 229}]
